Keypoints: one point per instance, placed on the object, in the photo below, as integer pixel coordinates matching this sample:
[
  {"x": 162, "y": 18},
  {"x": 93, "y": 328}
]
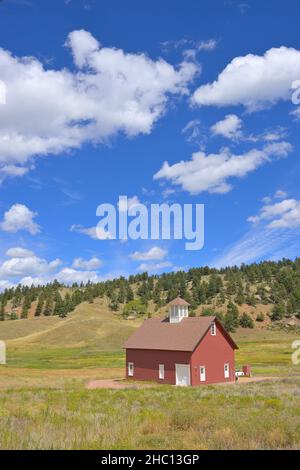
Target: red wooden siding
[
  {"x": 146, "y": 364},
  {"x": 213, "y": 352}
]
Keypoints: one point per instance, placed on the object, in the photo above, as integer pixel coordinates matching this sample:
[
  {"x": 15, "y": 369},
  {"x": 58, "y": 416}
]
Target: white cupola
[{"x": 178, "y": 309}]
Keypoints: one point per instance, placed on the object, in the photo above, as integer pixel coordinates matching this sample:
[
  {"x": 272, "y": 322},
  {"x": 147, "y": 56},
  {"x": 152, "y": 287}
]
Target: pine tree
[
  {"x": 48, "y": 310},
  {"x": 231, "y": 321},
  {"x": 39, "y": 307},
  {"x": 278, "y": 311},
  {"x": 59, "y": 305},
  {"x": 68, "y": 305},
  {"x": 2, "y": 311},
  {"x": 25, "y": 307},
  {"x": 114, "y": 304},
  {"x": 122, "y": 294},
  {"x": 240, "y": 298},
  {"x": 129, "y": 294},
  {"x": 182, "y": 288}
]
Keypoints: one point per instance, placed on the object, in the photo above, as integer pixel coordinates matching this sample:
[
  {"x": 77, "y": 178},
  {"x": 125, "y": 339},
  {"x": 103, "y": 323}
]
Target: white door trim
[
  {"x": 130, "y": 369},
  {"x": 188, "y": 369},
  {"x": 202, "y": 375},
  {"x": 161, "y": 371}
]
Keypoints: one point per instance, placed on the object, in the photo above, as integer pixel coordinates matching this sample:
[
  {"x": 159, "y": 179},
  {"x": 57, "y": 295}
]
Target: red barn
[{"x": 181, "y": 350}]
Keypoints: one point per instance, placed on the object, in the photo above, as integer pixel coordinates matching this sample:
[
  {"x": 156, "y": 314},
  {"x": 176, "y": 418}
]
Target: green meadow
[{"x": 44, "y": 403}]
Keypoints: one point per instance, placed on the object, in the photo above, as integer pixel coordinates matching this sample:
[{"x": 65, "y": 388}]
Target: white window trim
[
  {"x": 213, "y": 329},
  {"x": 161, "y": 371},
  {"x": 202, "y": 367},
  {"x": 130, "y": 369},
  {"x": 226, "y": 374}
]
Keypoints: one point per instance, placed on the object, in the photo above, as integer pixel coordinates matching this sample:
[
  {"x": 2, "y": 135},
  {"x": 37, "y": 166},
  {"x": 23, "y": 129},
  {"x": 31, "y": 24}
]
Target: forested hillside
[{"x": 247, "y": 296}]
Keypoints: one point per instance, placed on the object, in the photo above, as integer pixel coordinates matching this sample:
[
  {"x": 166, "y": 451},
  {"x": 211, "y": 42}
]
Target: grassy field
[
  {"x": 44, "y": 403},
  {"x": 258, "y": 415}
]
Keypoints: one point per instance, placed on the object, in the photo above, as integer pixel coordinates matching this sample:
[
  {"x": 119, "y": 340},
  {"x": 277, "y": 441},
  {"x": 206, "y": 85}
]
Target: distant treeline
[{"x": 275, "y": 283}]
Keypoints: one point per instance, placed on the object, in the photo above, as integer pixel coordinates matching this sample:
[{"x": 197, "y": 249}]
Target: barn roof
[
  {"x": 156, "y": 333},
  {"x": 178, "y": 301}
]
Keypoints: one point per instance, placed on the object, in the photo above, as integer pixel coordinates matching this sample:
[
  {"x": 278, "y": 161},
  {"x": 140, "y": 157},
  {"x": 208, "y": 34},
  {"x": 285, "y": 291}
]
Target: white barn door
[{"x": 183, "y": 375}]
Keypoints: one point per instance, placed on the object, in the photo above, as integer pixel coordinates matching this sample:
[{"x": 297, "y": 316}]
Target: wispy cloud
[
  {"x": 260, "y": 243},
  {"x": 195, "y": 132},
  {"x": 275, "y": 233},
  {"x": 96, "y": 233},
  {"x": 155, "y": 267},
  {"x": 190, "y": 47}
]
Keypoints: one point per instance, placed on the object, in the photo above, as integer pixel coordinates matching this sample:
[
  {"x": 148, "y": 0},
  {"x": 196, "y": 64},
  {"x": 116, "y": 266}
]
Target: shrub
[
  {"x": 134, "y": 307},
  {"x": 260, "y": 317},
  {"x": 246, "y": 321}
]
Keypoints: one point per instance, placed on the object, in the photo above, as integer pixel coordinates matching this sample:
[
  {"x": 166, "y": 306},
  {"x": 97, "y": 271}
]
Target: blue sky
[{"x": 100, "y": 94}]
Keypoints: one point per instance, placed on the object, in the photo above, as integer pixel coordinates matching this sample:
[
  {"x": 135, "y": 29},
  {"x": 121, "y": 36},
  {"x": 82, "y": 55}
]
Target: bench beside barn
[{"x": 181, "y": 350}]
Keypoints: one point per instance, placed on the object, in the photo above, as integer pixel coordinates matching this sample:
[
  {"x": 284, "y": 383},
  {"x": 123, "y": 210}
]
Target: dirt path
[
  {"x": 121, "y": 384},
  {"x": 113, "y": 383},
  {"x": 247, "y": 380}
]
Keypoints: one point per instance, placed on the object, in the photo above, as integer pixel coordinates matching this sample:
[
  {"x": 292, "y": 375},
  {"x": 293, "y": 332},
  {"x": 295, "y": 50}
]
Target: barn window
[
  {"x": 213, "y": 329},
  {"x": 130, "y": 369},
  {"x": 226, "y": 371},
  {"x": 161, "y": 371}
]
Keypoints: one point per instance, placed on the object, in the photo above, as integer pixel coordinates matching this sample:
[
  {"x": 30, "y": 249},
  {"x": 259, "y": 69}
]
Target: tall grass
[
  {"x": 254, "y": 416},
  {"x": 44, "y": 405}
]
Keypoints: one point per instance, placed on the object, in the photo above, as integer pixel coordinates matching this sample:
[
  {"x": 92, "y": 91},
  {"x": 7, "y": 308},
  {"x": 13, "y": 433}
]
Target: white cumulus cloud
[
  {"x": 50, "y": 111},
  {"x": 19, "y": 252},
  {"x": 283, "y": 214},
  {"x": 25, "y": 267},
  {"x": 213, "y": 172},
  {"x": 19, "y": 217},
  {"x": 155, "y": 253},
  {"x": 70, "y": 275},
  {"x": 30, "y": 265},
  {"x": 253, "y": 81},
  {"x": 87, "y": 265},
  {"x": 229, "y": 127}
]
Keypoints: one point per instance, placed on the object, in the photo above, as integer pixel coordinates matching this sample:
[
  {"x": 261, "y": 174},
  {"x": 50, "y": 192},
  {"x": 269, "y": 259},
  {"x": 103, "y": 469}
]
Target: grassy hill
[
  {"x": 90, "y": 325},
  {"x": 255, "y": 296},
  {"x": 92, "y": 337}
]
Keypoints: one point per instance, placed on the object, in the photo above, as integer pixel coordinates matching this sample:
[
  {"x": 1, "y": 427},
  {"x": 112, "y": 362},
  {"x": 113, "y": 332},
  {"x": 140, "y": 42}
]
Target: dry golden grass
[{"x": 90, "y": 324}]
